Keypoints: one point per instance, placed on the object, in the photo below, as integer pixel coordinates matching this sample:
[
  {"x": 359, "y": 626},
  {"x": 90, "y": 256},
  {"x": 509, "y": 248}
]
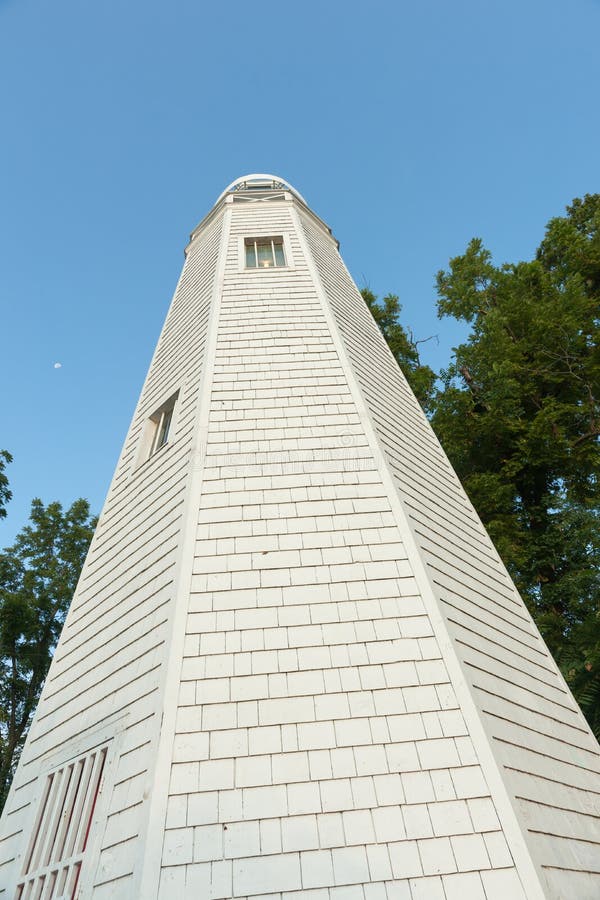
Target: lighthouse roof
[{"x": 261, "y": 182}]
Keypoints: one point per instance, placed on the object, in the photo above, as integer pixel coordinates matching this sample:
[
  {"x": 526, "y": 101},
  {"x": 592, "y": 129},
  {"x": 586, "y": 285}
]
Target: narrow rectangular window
[
  {"x": 161, "y": 422},
  {"x": 62, "y": 828},
  {"x": 264, "y": 252}
]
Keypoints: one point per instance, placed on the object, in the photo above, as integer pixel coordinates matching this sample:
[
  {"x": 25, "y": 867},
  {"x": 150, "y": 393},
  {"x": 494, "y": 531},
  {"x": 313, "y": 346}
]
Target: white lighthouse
[{"x": 295, "y": 667}]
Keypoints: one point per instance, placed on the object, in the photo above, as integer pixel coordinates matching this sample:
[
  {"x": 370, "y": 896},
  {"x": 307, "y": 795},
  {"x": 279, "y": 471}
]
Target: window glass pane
[
  {"x": 265, "y": 255},
  {"x": 279, "y": 257},
  {"x": 159, "y": 425},
  {"x": 264, "y": 252},
  {"x": 250, "y": 256},
  {"x": 164, "y": 428}
]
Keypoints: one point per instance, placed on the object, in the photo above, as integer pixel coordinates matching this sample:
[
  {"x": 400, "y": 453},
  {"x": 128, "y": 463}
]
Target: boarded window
[{"x": 61, "y": 830}]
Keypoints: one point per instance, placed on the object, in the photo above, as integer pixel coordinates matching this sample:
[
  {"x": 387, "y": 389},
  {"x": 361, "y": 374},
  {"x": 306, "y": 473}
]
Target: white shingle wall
[
  {"x": 551, "y": 761},
  {"x": 108, "y": 666},
  {"x": 319, "y": 751}
]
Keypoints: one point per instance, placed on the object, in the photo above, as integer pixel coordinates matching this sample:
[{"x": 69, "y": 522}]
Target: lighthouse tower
[{"x": 295, "y": 667}]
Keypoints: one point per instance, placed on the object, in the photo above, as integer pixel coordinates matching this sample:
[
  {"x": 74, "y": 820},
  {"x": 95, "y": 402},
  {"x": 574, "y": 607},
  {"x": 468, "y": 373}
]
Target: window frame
[
  {"x": 151, "y": 443},
  {"x": 281, "y": 238},
  {"x": 162, "y": 429},
  {"x": 256, "y": 243}
]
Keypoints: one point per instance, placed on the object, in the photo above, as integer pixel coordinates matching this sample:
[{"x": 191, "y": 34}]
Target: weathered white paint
[{"x": 312, "y": 670}]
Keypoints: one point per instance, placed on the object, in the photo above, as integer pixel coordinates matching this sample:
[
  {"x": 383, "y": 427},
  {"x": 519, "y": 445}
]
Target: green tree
[
  {"x": 5, "y": 493},
  {"x": 519, "y": 416},
  {"x": 38, "y": 575},
  {"x": 401, "y": 342}
]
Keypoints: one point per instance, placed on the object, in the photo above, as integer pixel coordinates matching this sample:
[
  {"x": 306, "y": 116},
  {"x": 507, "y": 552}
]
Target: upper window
[{"x": 264, "y": 253}]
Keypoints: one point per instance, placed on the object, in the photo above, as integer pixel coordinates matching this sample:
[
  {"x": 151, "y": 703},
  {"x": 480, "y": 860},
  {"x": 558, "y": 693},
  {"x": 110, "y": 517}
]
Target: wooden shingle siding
[
  {"x": 318, "y": 740},
  {"x": 538, "y": 733}
]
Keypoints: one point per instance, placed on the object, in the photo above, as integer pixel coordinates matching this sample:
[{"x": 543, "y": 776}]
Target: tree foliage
[
  {"x": 38, "y": 575},
  {"x": 5, "y": 492},
  {"x": 519, "y": 416},
  {"x": 518, "y": 413}
]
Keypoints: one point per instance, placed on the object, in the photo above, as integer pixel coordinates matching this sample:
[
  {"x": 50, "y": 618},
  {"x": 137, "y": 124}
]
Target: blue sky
[{"x": 409, "y": 127}]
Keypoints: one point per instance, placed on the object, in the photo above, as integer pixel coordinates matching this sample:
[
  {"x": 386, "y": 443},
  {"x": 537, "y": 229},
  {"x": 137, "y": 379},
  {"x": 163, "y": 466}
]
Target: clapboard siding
[
  {"x": 136, "y": 599},
  {"x": 524, "y": 704},
  {"x": 141, "y": 632}
]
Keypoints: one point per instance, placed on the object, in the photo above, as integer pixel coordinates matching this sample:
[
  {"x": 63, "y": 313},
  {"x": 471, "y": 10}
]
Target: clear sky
[{"x": 409, "y": 127}]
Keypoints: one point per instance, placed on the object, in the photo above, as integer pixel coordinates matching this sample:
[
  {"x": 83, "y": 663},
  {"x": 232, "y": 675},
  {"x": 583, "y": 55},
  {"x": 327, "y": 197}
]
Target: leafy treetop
[{"x": 38, "y": 576}]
